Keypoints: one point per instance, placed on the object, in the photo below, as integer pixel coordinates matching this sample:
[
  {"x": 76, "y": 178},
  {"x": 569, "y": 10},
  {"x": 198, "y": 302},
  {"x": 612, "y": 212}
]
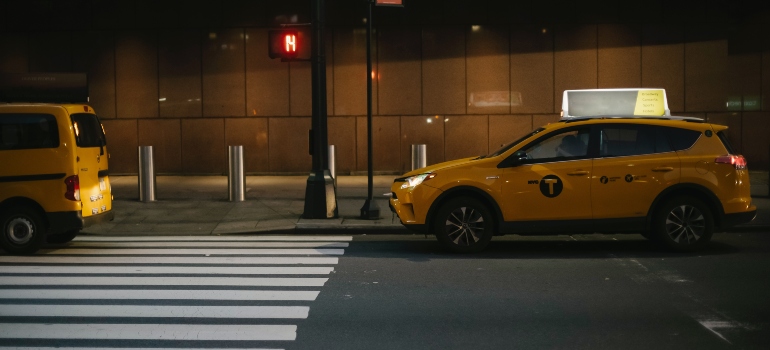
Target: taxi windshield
[{"x": 514, "y": 143}]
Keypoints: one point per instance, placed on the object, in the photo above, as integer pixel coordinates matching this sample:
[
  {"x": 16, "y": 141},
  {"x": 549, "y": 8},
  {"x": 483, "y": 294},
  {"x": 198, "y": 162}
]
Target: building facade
[{"x": 463, "y": 77}]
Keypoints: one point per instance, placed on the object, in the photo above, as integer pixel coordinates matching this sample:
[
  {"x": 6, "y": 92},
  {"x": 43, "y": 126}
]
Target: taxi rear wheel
[
  {"x": 23, "y": 230},
  {"x": 463, "y": 225},
  {"x": 683, "y": 224}
]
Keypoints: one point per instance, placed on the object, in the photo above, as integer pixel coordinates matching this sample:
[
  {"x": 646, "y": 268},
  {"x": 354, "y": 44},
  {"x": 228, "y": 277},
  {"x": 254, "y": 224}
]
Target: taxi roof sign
[{"x": 614, "y": 102}]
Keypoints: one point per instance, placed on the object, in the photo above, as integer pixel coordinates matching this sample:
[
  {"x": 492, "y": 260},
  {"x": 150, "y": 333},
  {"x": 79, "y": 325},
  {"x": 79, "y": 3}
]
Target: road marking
[
  {"x": 90, "y": 348},
  {"x": 319, "y": 251},
  {"x": 264, "y": 238},
  {"x": 210, "y": 244},
  {"x": 186, "y": 311},
  {"x": 158, "y": 294},
  {"x": 235, "y": 260},
  {"x": 183, "y": 270},
  {"x": 195, "y": 332},
  {"x": 164, "y": 281}
]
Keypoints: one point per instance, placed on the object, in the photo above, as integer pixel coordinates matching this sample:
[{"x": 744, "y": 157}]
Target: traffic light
[{"x": 285, "y": 43}]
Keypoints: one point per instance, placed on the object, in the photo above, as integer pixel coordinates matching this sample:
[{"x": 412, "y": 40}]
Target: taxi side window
[
  {"x": 567, "y": 145},
  {"x": 682, "y": 138},
  {"x": 28, "y": 131},
  {"x": 632, "y": 140}
]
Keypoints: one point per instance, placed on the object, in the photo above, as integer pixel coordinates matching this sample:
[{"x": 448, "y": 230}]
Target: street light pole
[
  {"x": 370, "y": 210},
  {"x": 320, "y": 194}
]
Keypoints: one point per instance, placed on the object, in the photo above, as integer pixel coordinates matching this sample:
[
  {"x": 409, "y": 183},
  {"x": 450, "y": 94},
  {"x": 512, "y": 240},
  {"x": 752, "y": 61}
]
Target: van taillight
[
  {"x": 73, "y": 188},
  {"x": 737, "y": 160}
]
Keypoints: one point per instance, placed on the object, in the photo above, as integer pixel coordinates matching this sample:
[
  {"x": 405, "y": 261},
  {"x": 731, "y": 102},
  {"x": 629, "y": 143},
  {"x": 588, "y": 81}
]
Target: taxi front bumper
[{"x": 411, "y": 205}]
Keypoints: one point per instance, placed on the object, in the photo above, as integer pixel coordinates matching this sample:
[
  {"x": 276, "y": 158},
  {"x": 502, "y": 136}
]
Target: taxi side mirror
[{"x": 513, "y": 160}]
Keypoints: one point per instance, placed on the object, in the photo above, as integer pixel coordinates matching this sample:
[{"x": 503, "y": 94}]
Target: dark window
[
  {"x": 725, "y": 141},
  {"x": 28, "y": 131},
  {"x": 631, "y": 140},
  {"x": 88, "y": 130},
  {"x": 563, "y": 145},
  {"x": 682, "y": 138}
]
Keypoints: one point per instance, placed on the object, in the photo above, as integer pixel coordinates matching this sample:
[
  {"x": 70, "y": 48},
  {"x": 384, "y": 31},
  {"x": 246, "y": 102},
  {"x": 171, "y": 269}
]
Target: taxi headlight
[{"x": 412, "y": 181}]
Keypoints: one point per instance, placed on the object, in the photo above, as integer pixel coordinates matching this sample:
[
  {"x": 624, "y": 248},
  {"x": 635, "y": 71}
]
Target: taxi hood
[{"x": 439, "y": 166}]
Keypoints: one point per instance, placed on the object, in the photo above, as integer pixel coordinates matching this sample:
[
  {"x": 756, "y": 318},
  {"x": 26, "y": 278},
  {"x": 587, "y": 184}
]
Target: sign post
[
  {"x": 370, "y": 210},
  {"x": 320, "y": 193}
]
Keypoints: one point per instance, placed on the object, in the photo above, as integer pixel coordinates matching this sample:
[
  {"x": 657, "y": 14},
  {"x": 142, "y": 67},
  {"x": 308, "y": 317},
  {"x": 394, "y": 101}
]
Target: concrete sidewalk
[{"x": 198, "y": 205}]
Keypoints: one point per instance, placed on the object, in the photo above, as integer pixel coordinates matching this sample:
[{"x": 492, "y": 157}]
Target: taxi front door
[{"x": 551, "y": 184}]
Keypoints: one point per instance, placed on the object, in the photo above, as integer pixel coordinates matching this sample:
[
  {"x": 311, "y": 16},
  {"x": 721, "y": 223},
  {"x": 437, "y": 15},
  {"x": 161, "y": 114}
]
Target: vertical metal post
[
  {"x": 419, "y": 156},
  {"x": 320, "y": 194},
  {"x": 146, "y": 175},
  {"x": 333, "y": 164},
  {"x": 236, "y": 181},
  {"x": 370, "y": 210}
]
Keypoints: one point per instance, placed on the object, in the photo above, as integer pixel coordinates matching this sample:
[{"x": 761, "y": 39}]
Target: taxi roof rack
[{"x": 665, "y": 117}]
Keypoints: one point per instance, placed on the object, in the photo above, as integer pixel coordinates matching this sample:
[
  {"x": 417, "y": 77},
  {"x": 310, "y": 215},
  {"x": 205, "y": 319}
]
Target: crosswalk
[{"x": 204, "y": 292}]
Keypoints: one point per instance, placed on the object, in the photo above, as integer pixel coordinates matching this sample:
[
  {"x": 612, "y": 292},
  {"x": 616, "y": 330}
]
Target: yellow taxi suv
[
  {"x": 54, "y": 175},
  {"x": 616, "y": 162}
]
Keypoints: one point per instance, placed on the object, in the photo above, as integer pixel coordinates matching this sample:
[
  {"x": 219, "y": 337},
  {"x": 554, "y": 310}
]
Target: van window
[
  {"x": 88, "y": 130},
  {"x": 28, "y": 131}
]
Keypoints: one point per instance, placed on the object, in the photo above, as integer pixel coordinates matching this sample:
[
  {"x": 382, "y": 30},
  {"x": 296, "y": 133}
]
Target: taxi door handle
[
  {"x": 578, "y": 173},
  {"x": 663, "y": 169}
]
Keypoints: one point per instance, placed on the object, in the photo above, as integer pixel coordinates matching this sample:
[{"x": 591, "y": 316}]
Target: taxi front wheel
[
  {"x": 683, "y": 224},
  {"x": 23, "y": 230},
  {"x": 463, "y": 225}
]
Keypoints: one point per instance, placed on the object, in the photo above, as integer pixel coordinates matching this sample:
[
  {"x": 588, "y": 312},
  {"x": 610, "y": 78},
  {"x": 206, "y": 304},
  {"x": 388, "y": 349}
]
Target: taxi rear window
[
  {"x": 682, "y": 138},
  {"x": 28, "y": 131},
  {"x": 88, "y": 130}
]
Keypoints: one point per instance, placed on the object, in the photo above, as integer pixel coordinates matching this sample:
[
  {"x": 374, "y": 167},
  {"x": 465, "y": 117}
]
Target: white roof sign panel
[{"x": 614, "y": 102}]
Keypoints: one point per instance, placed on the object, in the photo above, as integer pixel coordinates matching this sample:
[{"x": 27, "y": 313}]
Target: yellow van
[{"x": 53, "y": 172}]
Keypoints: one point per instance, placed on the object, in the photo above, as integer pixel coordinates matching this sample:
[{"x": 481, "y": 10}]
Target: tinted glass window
[
  {"x": 682, "y": 138},
  {"x": 88, "y": 130},
  {"x": 725, "y": 141},
  {"x": 572, "y": 144},
  {"x": 631, "y": 140},
  {"x": 28, "y": 131}
]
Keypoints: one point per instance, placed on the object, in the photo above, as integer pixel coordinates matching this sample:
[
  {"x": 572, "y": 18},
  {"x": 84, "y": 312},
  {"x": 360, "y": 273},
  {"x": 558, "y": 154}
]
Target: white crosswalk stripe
[{"x": 164, "y": 291}]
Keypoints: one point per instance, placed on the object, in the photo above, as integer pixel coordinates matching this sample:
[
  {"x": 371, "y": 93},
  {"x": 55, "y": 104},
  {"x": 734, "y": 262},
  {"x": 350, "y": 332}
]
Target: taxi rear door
[{"x": 634, "y": 165}]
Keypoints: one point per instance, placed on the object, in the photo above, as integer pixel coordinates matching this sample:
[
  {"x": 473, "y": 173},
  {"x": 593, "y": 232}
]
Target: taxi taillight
[
  {"x": 73, "y": 188},
  {"x": 733, "y": 159}
]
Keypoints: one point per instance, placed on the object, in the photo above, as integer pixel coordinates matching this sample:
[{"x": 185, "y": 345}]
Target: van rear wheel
[{"x": 23, "y": 230}]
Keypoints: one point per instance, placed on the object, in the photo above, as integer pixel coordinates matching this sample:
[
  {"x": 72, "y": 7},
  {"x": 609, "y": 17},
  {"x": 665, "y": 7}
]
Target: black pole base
[
  {"x": 320, "y": 196},
  {"x": 370, "y": 210}
]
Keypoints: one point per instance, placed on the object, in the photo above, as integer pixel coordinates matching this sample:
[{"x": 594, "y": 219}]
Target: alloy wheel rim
[
  {"x": 685, "y": 224},
  {"x": 464, "y": 226},
  {"x": 19, "y": 231}
]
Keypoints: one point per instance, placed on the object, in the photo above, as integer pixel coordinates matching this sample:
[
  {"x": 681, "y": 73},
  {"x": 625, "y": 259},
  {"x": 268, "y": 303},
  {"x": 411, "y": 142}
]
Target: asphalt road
[{"x": 582, "y": 292}]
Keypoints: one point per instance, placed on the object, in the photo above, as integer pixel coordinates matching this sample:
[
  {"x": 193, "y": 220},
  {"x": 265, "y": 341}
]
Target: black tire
[
  {"x": 63, "y": 237},
  {"x": 463, "y": 225},
  {"x": 683, "y": 224},
  {"x": 23, "y": 230}
]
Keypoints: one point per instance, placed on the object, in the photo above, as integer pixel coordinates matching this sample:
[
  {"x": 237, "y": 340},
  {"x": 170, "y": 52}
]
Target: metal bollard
[
  {"x": 419, "y": 156},
  {"x": 146, "y": 175},
  {"x": 333, "y": 164},
  {"x": 236, "y": 181}
]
